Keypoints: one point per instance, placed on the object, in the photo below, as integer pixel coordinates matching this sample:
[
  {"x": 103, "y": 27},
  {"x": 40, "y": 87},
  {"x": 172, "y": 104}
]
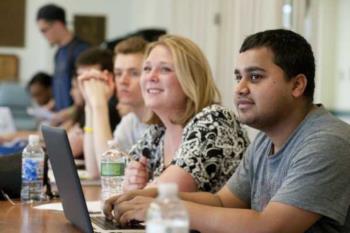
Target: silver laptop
[{"x": 70, "y": 189}]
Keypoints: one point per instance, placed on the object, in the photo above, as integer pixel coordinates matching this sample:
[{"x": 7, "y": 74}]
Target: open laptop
[{"x": 69, "y": 186}]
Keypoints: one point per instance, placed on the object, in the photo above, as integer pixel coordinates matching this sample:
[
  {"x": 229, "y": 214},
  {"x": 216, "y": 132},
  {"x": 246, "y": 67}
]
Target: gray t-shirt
[{"x": 311, "y": 172}]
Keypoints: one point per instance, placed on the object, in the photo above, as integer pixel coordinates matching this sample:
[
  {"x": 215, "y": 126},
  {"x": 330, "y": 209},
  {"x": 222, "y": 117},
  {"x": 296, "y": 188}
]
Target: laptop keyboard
[{"x": 104, "y": 223}]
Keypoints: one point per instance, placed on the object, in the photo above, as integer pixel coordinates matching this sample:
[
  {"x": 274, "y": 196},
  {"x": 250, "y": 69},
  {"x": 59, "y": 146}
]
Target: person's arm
[
  {"x": 233, "y": 215},
  {"x": 96, "y": 92},
  {"x": 275, "y": 218},
  {"x": 175, "y": 174},
  {"x": 91, "y": 165},
  {"x": 88, "y": 143},
  {"x": 221, "y": 212},
  {"x": 101, "y": 131},
  {"x": 136, "y": 177},
  {"x": 138, "y": 201},
  {"x": 22, "y": 135},
  {"x": 63, "y": 115},
  {"x": 76, "y": 138},
  {"x": 133, "y": 200}
]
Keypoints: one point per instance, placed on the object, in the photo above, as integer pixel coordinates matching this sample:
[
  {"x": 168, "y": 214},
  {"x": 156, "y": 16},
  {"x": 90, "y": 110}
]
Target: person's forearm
[
  {"x": 101, "y": 130},
  {"x": 275, "y": 218},
  {"x": 89, "y": 149},
  {"x": 201, "y": 198},
  {"x": 22, "y": 135},
  {"x": 91, "y": 165},
  {"x": 207, "y": 219},
  {"x": 67, "y": 113}
]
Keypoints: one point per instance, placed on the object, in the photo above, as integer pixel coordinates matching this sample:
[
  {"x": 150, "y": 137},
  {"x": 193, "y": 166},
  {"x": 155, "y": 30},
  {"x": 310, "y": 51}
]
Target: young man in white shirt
[{"x": 97, "y": 87}]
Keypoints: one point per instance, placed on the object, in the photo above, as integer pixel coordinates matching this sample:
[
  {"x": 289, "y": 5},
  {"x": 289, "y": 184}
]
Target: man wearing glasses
[{"x": 51, "y": 21}]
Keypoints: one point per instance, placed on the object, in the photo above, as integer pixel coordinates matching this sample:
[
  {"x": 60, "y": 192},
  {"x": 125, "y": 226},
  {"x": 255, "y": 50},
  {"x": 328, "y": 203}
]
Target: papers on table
[
  {"x": 93, "y": 206},
  {"x": 41, "y": 113},
  {"x": 7, "y": 123}
]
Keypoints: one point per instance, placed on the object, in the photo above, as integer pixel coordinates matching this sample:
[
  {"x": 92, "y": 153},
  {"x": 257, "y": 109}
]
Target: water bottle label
[
  {"x": 32, "y": 169},
  {"x": 112, "y": 169}
]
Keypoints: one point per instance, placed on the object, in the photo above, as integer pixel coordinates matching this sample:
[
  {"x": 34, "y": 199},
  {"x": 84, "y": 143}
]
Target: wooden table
[{"x": 23, "y": 218}]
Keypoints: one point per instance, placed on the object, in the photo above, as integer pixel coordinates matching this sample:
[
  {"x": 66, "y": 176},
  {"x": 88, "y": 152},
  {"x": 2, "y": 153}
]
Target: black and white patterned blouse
[{"x": 212, "y": 146}]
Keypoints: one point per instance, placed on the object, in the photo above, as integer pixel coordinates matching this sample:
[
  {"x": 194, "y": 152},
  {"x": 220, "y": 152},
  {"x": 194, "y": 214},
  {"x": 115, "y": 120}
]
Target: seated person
[
  {"x": 193, "y": 141},
  {"x": 39, "y": 88},
  {"x": 97, "y": 87},
  {"x": 295, "y": 176},
  {"x": 93, "y": 58},
  {"x": 72, "y": 124}
]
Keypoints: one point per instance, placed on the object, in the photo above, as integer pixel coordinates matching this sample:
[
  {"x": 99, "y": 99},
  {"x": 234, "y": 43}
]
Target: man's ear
[{"x": 299, "y": 85}]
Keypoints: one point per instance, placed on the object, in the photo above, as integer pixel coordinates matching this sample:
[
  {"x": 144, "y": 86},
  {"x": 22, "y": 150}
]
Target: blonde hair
[{"x": 193, "y": 73}]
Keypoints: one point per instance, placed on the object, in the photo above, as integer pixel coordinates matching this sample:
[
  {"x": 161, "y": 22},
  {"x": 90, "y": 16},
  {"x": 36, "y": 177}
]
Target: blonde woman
[{"x": 193, "y": 141}]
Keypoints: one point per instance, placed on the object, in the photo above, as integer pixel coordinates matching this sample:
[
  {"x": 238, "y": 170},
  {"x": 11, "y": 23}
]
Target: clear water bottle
[
  {"x": 113, "y": 163},
  {"x": 32, "y": 170},
  {"x": 166, "y": 213}
]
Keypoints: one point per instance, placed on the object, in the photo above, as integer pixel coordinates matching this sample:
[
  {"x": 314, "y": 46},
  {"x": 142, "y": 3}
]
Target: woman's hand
[
  {"x": 135, "y": 209},
  {"x": 129, "y": 206},
  {"x": 136, "y": 175}
]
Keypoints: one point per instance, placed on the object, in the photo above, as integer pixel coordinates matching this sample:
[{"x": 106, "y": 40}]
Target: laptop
[
  {"x": 69, "y": 187},
  {"x": 10, "y": 175}
]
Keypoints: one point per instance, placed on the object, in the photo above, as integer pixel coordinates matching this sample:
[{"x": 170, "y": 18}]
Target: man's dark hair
[
  {"x": 42, "y": 79},
  {"x": 51, "y": 12},
  {"x": 292, "y": 53},
  {"x": 96, "y": 56}
]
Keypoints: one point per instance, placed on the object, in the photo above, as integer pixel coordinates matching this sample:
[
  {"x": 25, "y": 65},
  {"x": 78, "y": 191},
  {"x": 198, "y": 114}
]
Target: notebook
[{"x": 69, "y": 187}]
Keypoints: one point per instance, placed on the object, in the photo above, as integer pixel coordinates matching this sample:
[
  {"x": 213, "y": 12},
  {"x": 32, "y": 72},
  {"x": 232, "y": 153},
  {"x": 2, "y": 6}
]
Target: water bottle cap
[
  {"x": 111, "y": 143},
  {"x": 33, "y": 139},
  {"x": 167, "y": 189}
]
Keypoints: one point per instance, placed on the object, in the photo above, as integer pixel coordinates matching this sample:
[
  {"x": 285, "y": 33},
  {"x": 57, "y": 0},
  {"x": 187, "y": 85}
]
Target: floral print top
[{"x": 212, "y": 146}]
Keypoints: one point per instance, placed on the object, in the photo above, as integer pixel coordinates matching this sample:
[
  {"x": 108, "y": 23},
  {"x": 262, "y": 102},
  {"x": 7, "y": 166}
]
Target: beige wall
[{"x": 219, "y": 28}]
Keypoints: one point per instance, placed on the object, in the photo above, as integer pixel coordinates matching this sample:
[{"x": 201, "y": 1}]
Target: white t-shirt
[{"x": 129, "y": 131}]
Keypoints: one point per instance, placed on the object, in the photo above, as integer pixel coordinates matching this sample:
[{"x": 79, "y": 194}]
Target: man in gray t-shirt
[
  {"x": 295, "y": 177},
  {"x": 310, "y": 171}
]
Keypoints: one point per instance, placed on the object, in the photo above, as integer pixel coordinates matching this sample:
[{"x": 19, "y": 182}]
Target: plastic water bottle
[
  {"x": 113, "y": 163},
  {"x": 32, "y": 170},
  {"x": 166, "y": 213}
]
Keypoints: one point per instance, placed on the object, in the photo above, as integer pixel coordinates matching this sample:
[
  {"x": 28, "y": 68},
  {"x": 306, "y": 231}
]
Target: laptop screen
[{"x": 66, "y": 177}]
